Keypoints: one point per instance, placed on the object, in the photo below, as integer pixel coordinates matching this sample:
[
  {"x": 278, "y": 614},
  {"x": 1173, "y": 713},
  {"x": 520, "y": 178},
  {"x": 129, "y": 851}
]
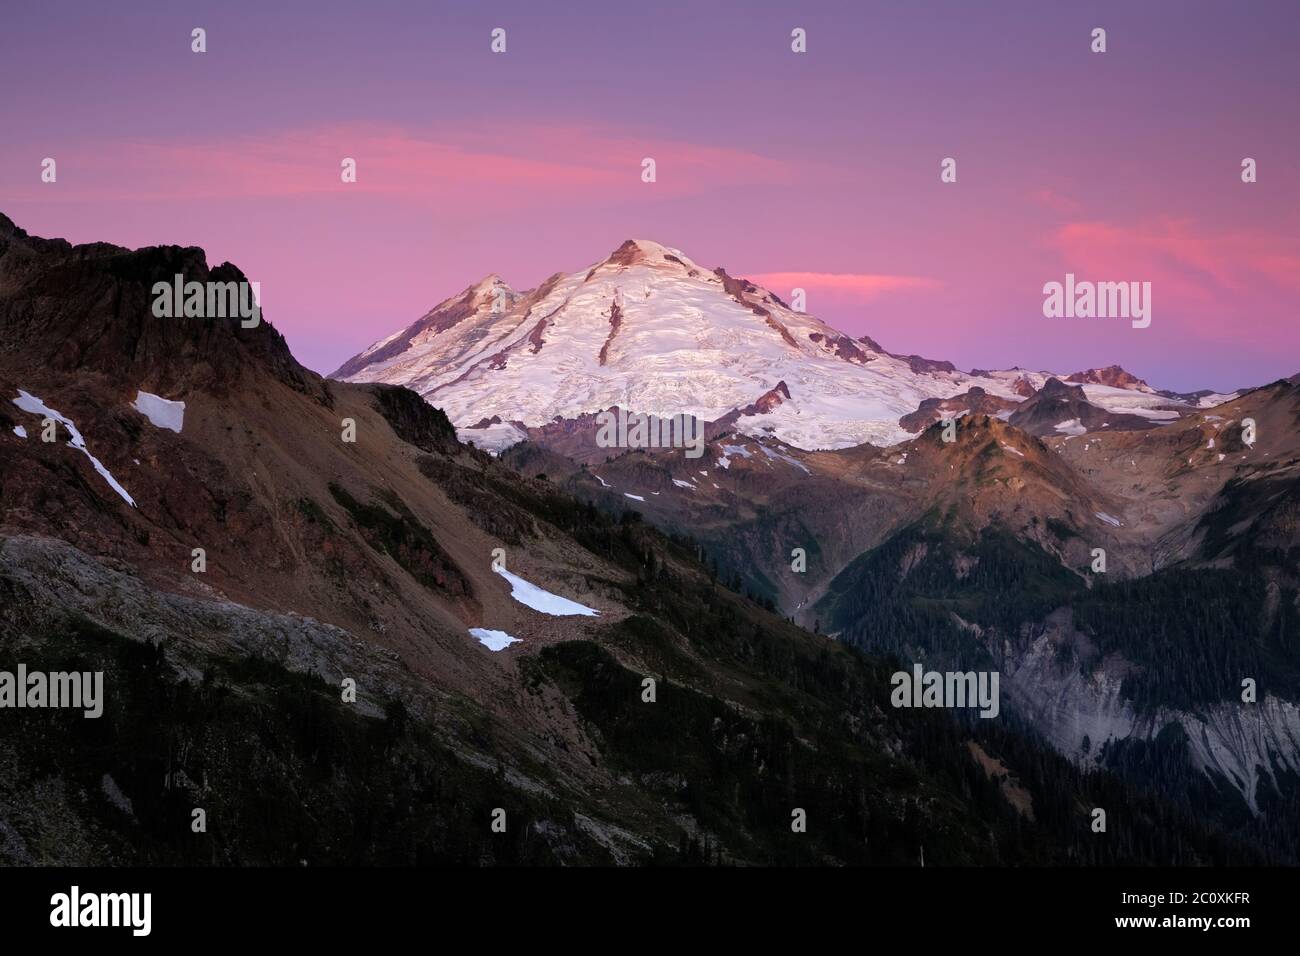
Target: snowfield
[
  {"x": 30, "y": 403},
  {"x": 161, "y": 412},
  {"x": 493, "y": 640},
  {"x": 493, "y": 438},
  {"x": 542, "y": 600}
]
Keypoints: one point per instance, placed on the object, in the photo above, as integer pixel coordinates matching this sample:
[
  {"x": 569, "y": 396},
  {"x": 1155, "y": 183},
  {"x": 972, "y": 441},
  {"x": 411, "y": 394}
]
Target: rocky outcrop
[
  {"x": 89, "y": 308},
  {"x": 1060, "y": 409},
  {"x": 1112, "y": 375},
  {"x": 974, "y": 401}
]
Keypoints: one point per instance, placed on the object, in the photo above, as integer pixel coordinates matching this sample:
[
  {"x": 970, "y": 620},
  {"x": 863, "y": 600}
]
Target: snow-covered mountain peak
[
  {"x": 649, "y": 330},
  {"x": 646, "y": 251}
]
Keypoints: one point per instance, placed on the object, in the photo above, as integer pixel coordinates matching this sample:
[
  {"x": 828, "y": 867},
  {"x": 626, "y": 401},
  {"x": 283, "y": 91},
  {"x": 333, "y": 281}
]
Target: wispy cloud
[
  {"x": 857, "y": 286},
  {"x": 1202, "y": 259},
  {"x": 489, "y": 166},
  {"x": 1199, "y": 273}
]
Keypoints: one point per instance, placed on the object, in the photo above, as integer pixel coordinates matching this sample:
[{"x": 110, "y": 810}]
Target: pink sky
[{"x": 820, "y": 170}]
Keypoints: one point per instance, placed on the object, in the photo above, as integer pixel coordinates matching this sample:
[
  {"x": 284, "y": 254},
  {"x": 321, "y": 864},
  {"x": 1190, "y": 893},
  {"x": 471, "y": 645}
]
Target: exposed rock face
[
  {"x": 771, "y": 399},
  {"x": 1111, "y": 375},
  {"x": 974, "y": 401},
  {"x": 1025, "y": 388},
  {"x": 574, "y": 438},
  {"x": 917, "y": 363},
  {"x": 1080, "y": 707},
  {"x": 1058, "y": 408},
  {"x": 89, "y": 308},
  {"x": 415, "y": 420}
]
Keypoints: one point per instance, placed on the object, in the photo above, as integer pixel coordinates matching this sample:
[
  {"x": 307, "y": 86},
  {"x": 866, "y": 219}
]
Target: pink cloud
[
  {"x": 498, "y": 168},
  {"x": 1198, "y": 273}
]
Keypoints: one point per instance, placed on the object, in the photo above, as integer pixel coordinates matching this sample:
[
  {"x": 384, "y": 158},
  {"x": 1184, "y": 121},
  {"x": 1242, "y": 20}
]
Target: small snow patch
[
  {"x": 1072, "y": 427},
  {"x": 600, "y": 479},
  {"x": 633, "y": 497},
  {"x": 683, "y": 484},
  {"x": 161, "y": 412},
  {"x": 1110, "y": 520},
  {"x": 785, "y": 458},
  {"x": 1016, "y": 451},
  {"x": 494, "y": 439},
  {"x": 20, "y": 431},
  {"x": 539, "y": 599},
  {"x": 493, "y": 640}
]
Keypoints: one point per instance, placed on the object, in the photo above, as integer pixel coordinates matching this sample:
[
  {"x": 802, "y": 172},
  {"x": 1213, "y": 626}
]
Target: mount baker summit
[{"x": 649, "y": 330}]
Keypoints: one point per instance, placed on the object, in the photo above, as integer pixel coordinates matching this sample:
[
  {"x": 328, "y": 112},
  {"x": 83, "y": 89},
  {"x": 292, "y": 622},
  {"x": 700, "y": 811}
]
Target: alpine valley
[
  {"x": 362, "y": 618},
  {"x": 979, "y": 551}
]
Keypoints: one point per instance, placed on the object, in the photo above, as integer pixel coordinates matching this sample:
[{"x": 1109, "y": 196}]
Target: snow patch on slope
[
  {"x": 30, "y": 403},
  {"x": 777, "y": 456},
  {"x": 539, "y": 599},
  {"x": 493, "y": 640},
  {"x": 493, "y": 438},
  {"x": 160, "y": 411}
]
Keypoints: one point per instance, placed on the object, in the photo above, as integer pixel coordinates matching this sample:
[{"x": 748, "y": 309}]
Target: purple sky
[{"x": 820, "y": 169}]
